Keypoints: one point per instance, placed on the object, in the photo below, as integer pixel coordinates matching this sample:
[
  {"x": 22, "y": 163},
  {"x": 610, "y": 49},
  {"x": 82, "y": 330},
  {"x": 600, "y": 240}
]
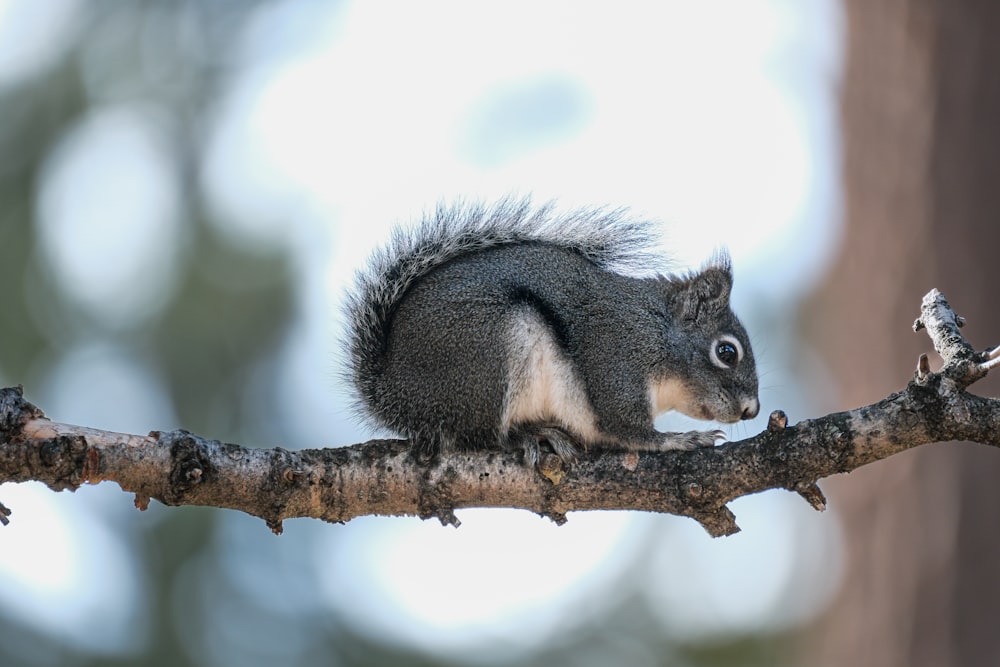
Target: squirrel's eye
[{"x": 726, "y": 352}]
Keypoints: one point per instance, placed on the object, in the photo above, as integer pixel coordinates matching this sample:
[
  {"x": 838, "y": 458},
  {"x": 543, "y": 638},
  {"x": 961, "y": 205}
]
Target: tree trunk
[{"x": 921, "y": 172}]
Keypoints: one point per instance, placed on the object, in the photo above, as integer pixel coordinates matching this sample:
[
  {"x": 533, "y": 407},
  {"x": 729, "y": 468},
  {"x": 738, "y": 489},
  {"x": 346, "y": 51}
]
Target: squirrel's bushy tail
[{"x": 606, "y": 237}]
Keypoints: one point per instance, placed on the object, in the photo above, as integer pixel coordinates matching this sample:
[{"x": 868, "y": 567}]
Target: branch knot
[{"x": 191, "y": 463}]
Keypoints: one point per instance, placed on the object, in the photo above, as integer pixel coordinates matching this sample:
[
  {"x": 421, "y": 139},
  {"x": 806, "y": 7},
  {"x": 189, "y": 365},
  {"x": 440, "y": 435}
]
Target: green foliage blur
[{"x": 226, "y": 316}]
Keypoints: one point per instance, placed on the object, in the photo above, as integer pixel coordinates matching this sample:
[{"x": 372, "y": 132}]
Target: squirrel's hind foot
[
  {"x": 532, "y": 440},
  {"x": 425, "y": 450}
]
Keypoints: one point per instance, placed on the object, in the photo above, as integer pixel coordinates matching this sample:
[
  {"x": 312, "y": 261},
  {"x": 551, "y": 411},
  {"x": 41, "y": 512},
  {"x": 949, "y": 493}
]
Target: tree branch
[{"x": 380, "y": 477}]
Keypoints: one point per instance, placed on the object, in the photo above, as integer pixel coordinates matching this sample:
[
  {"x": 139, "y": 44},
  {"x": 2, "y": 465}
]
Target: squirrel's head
[{"x": 711, "y": 373}]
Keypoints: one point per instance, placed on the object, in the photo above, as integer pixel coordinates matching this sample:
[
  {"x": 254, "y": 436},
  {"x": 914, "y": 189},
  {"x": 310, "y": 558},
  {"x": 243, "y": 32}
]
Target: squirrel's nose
[{"x": 750, "y": 408}]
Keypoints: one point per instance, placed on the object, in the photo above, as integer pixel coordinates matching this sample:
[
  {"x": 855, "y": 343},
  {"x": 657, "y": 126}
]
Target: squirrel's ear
[{"x": 708, "y": 290}]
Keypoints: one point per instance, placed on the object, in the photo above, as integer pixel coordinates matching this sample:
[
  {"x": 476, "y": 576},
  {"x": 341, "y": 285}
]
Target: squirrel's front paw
[{"x": 693, "y": 439}]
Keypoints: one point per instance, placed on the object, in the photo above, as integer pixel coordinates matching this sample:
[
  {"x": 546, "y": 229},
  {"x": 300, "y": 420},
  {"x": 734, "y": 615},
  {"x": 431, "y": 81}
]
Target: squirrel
[{"x": 506, "y": 326}]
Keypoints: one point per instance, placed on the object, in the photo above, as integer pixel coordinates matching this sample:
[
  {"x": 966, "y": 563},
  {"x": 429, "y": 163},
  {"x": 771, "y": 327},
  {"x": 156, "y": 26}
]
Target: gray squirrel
[{"x": 505, "y": 326}]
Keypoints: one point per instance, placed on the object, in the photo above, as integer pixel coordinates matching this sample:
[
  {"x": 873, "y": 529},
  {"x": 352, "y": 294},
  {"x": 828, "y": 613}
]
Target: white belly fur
[{"x": 543, "y": 386}]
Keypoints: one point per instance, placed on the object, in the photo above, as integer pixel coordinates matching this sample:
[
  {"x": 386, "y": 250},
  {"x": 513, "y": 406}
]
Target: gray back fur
[{"x": 606, "y": 237}]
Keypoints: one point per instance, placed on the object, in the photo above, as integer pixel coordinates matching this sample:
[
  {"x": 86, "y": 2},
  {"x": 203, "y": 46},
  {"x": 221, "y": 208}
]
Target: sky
[{"x": 717, "y": 118}]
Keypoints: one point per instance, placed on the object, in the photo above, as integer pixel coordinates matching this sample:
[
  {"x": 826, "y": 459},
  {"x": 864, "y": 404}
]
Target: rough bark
[{"x": 380, "y": 477}]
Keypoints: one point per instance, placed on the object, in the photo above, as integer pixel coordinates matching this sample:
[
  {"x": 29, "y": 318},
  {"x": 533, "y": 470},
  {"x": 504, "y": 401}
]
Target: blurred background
[{"x": 187, "y": 187}]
